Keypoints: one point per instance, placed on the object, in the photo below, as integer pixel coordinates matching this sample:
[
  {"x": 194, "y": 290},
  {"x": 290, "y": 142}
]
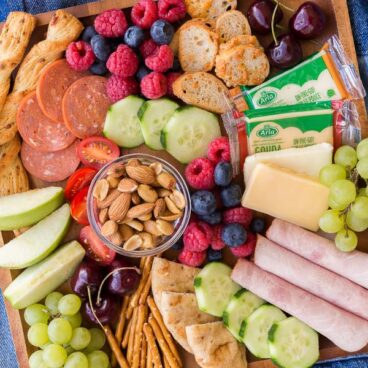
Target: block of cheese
[
  {"x": 285, "y": 194},
  {"x": 308, "y": 160}
]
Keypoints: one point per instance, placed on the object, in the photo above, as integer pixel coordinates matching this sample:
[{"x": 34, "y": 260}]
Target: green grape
[
  {"x": 37, "y": 334},
  {"x": 98, "y": 359},
  {"x": 60, "y": 331},
  {"x": 362, "y": 149},
  {"x": 69, "y": 304},
  {"x": 76, "y": 360},
  {"x": 362, "y": 168},
  {"x": 343, "y": 192},
  {"x": 75, "y": 321},
  {"x": 356, "y": 224},
  {"x": 36, "y": 313},
  {"x": 54, "y": 356},
  {"x": 362, "y": 192},
  {"x": 346, "y": 240},
  {"x": 68, "y": 349},
  {"x": 360, "y": 207},
  {"x": 334, "y": 205},
  {"x": 80, "y": 339},
  {"x": 36, "y": 360},
  {"x": 330, "y": 173},
  {"x": 98, "y": 340},
  {"x": 52, "y": 301},
  {"x": 331, "y": 221},
  {"x": 346, "y": 156}
]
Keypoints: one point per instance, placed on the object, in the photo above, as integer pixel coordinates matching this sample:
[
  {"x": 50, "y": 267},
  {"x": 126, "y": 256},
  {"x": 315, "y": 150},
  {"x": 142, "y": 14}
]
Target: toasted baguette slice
[
  {"x": 231, "y": 24},
  {"x": 219, "y": 7},
  {"x": 198, "y": 8},
  {"x": 8, "y": 153},
  {"x": 198, "y": 47},
  {"x": 203, "y": 90},
  {"x": 245, "y": 40},
  {"x": 14, "y": 179}
]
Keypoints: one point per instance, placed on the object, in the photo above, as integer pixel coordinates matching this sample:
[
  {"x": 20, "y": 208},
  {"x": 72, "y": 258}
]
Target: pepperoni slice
[
  {"x": 52, "y": 85},
  {"x": 85, "y": 105},
  {"x": 38, "y": 130},
  {"x": 50, "y": 166}
]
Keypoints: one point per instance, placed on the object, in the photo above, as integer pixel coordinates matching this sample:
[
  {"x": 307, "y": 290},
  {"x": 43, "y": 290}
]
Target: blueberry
[
  {"x": 176, "y": 65},
  {"x": 101, "y": 47},
  {"x": 258, "y": 225},
  {"x": 142, "y": 72},
  {"x": 223, "y": 173},
  {"x": 203, "y": 202},
  {"x": 234, "y": 235},
  {"x": 231, "y": 195},
  {"x": 212, "y": 219},
  {"x": 134, "y": 36},
  {"x": 98, "y": 68},
  {"x": 178, "y": 245},
  {"x": 162, "y": 32},
  {"x": 214, "y": 255},
  {"x": 88, "y": 33}
]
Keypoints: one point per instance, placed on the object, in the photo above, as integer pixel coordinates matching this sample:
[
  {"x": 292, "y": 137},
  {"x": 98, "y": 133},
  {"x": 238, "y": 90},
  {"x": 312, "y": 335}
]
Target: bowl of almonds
[{"x": 139, "y": 205}]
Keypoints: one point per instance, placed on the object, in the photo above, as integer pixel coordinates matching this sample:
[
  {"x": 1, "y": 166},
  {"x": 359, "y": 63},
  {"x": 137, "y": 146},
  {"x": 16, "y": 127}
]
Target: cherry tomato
[
  {"x": 94, "y": 247},
  {"x": 80, "y": 179},
  {"x": 97, "y": 151},
  {"x": 78, "y": 207}
]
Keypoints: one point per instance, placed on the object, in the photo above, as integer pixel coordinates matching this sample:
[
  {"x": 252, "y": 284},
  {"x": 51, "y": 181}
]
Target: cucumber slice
[
  {"x": 188, "y": 132},
  {"x": 153, "y": 116},
  {"x": 256, "y": 327},
  {"x": 122, "y": 123},
  {"x": 241, "y": 305},
  {"x": 293, "y": 344},
  {"x": 214, "y": 288}
]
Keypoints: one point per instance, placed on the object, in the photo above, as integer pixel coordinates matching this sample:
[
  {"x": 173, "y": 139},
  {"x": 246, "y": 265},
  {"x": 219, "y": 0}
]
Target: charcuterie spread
[{"x": 146, "y": 236}]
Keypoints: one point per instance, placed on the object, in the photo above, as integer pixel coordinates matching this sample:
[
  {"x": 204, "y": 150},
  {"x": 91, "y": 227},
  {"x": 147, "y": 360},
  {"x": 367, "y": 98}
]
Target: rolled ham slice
[
  {"x": 321, "y": 251},
  {"x": 347, "y": 331},
  {"x": 311, "y": 277}
]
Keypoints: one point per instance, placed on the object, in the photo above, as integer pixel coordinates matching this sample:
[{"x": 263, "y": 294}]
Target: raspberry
[
  {"x": 111, "y": 23},
  {"x": 193, "y": 259},
  {"x": 217, "y": 243},
  {"x": 197, "y": 237},
  {"x": 161, "y": 60},
  {"x": 171, "y": 78},
  {"x": 154, "y": 85},
  {"x": 240, "y": 215},
  {"x": 199, "y": 174},
  {"x": 123, "y": 62},
  {"x": 246, "y": 249},
  {"x": 219, "y": 150},
  {"x": 80, "y": 56},
  {"x": 144, "y": 13},
  {"x": 118, "y": 88},
  {"x": 148, "y": 47},
  {"x": 171, "y": 10}
]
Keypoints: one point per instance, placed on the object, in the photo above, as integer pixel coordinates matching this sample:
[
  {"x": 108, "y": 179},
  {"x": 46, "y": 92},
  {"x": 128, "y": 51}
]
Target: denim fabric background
[{"x": 359, "y": 17}]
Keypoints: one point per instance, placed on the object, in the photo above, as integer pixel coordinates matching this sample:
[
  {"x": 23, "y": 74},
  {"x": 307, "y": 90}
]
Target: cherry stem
[
  {"x": 273, "y": 22},
  {"x": 110, "y": 274},
  {"x": 284, "y": 6},
  {"x": 92, "y": 309}
]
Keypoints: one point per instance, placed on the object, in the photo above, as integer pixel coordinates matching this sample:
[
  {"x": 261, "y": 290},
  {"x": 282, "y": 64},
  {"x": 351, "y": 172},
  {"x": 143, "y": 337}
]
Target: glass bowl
[{"x": 180, "y": 224}]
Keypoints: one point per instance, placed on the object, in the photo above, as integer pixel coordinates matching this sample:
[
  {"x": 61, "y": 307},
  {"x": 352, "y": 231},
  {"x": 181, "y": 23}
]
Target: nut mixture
[{"x": 138, "y": 204}]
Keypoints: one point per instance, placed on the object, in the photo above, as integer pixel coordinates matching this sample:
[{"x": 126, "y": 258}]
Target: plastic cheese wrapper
[
  {"x": 296, "y": 126},
  {"x": 327, "y": 75}
]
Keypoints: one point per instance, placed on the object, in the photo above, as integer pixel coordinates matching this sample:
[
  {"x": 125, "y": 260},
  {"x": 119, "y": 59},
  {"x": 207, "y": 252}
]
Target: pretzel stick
[
  {"x": 144, "y": 351},
  {"x": 149, "y": 355},
  {"x": 131, "y": 336},
  {"x": 162, "y": 343},
  {"x": 145, "y": 291},
  {"x": 124, "y": 343},
  {"x": 138, "y": 333},
  {"x": 155, "y": 354},
  {"x": 115, "y": 347},
  {"x": 170, "y": 342}
]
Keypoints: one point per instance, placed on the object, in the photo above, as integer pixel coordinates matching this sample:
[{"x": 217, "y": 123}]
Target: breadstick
[
  {"x": 166, "y": 363},
  {"x": 145, "y": 291},
  {"x": 131, "y": 336},
  {"x": 170, "y": 342},
  {"x": 162, "y": 343},
  {"x": 149, "y": 355},
  {"x": 115, "y": 347},
  {"x": 138, "y": 333},
  {"x": 144, "y": 351},
  {"x": 145, "y": 272},
  {"x": 124, "y": 343},
  {"x": 155, "y": 354}
]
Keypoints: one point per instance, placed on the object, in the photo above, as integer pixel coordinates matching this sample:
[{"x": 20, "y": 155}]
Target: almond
[
  {"x": 170, "y": 216},
  {"x": 156, "y": 167},
  {"x": 171, "y": 206},
  {"x": 101, "y": 189},
  {"x": 136, "y": 225},
  {"x": 109, "y": 199},
  {"x": 103, "y": 215},
  {"x": 116, "y": 170},
  {"x": 133, "y": 243},
  {"x": 140, "y": 210},
  {"x": 165, "y": 227},
  {"x": 113, "y": 181},
  {"x": 151, "y": 227},
  {"x": 116, "y": 238},
  {"x": 142, "y": 174},
  {"x": 109, "y": 228},
  {"x": 166, "y": 180},
  {"x": 162, "y": 192},
  {"x": 178, "y": 199},
  {"x": 120, "y": 206},
  {"x": 147, "y": 193},
  {"x": 127, "y": 185},
  {"x": 147, "y": 240},
  {"x": 125, "y": 231},
  {"x": 134, "y": 162},
  {"x": 145, "y": 217},
  {"x": 160, "y": 207},
  {"x": 136, "y": 199}
]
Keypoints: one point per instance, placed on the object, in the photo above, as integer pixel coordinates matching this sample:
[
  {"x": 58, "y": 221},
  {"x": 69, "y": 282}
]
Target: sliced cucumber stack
[
  {"x": 122, "y": 123},
  {"x": 241, "y": 305},
  {"x": 293, "y": 344},
  {"x": 188, "y": 132},
  {"x": 256, "y": 327},
  {"x": 214, "y": 288},
  {"x": 153, "y": 116}
]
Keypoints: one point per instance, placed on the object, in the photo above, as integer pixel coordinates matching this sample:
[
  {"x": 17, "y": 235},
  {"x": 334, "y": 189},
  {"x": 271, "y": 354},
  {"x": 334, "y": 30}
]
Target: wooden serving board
[{"x": 338, "y": 23}]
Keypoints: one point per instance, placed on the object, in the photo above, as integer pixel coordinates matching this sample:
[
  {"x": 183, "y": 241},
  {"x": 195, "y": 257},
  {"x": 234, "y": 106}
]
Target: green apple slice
[
  {"x": 27, "y": 208},
  {"x": 37, "y": 242},
  {"x": 36, "y": 282}
]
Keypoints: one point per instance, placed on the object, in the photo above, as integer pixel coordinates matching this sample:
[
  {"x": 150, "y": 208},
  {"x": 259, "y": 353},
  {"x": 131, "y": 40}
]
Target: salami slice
[
  {"x": 38, "y": 130},
  {"x": 50, "y": 166},
  {"x": 85, "y": 105},
  {"x": 56, "y": 78}
]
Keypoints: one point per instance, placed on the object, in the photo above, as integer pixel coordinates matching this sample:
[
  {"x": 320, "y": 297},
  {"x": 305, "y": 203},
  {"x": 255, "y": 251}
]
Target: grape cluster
[
  {"x": 348, "y": 198},
  {"x": 55, "y": 328}
]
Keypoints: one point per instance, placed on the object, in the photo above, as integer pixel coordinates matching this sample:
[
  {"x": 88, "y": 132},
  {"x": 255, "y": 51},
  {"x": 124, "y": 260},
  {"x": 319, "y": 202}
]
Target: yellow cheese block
[{"x": 285, "y": 194}]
